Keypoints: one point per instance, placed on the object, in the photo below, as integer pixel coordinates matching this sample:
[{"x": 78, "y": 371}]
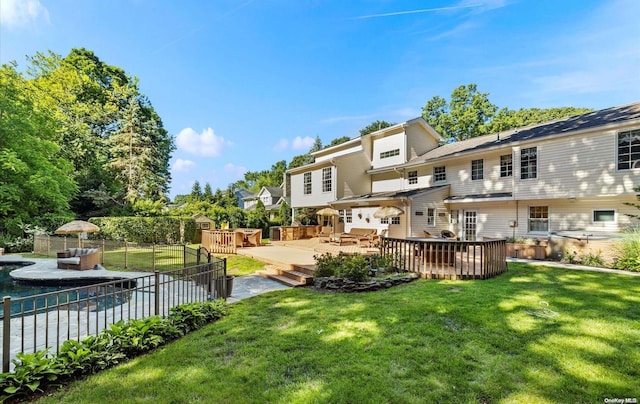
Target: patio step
[{"x": 289, "y": 277}]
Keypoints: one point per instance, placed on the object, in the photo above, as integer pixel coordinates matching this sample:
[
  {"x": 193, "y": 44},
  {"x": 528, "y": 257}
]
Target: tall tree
[
  {"x": 207, "y": 194},
  {"x": 34, "y": 180},
  {"x": 375, "y": 126},
  {"x": 464, "y": 116},
  {"x": 469, "y": 113},
  {"x": 108, "y": 128},
  {"x": 339, "y": 140},
  {"x": 196, "y": 192}
]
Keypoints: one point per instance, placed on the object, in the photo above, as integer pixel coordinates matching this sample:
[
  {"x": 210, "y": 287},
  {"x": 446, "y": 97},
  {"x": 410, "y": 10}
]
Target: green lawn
[{"x": 533, "y": 335}]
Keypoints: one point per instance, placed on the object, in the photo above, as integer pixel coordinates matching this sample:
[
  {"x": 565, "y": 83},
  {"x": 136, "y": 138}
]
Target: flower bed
[{"x": 343, "y": 285}]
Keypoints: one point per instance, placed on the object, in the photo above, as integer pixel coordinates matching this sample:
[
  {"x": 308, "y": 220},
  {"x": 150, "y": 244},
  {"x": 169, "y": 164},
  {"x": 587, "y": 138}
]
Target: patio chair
[
  {"x": 428, "y": 235},
  {"x": 324, "y": 235}
]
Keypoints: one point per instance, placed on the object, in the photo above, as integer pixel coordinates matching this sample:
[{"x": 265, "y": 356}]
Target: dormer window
[{"x": 389, "y": 153}]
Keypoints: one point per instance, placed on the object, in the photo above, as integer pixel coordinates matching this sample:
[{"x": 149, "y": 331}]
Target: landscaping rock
[{"x": 342, "y": 285}]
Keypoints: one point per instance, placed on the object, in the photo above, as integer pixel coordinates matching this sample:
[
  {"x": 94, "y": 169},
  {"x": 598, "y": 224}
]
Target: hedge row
[{"x": 162, "y": 229}]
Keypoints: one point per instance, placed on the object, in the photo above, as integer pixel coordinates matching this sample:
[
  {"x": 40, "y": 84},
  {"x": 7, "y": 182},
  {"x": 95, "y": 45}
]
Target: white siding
[
  {"x": 352, "y": 178},
  {"x": 419, "y": 141},
  {"x": 386, "y": 144},
  {"x": 576, "y": 167},
  {"x": 316, "y": 197},
  {"x": 420, "y": 203},
  {"x": 384, "y": 182}
]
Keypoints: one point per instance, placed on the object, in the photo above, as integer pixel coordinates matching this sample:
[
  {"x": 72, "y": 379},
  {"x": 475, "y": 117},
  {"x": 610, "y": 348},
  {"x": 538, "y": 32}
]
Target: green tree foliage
[
  {"x": 107, "y": 128},
  {"x": 258, "y": 218},
  {"x": 284, "y": 214},
  {"x": 508, "y": 119},
  {"x": 374, "y": 126},
  {"x": 463, "y": 117},
  {"x": 207, "y": 194},
  {"x": 34, "y": 179},
  {"x": 339, "y": 140},
  {"x": 196, "y": 192},
  {"x": 469, "y": 113}
]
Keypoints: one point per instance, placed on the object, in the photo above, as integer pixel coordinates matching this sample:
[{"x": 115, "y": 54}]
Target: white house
[{"x": 568, "y": 177}]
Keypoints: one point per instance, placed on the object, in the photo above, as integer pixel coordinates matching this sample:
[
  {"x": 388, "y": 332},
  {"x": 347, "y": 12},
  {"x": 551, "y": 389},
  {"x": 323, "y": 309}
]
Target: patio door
[{"x": 470, "y": 225}]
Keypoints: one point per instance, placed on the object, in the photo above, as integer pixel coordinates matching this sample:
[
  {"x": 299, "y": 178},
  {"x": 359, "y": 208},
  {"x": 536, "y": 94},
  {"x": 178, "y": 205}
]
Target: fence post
[
  {"x": 184, "y": 256},
  {"x": 6, "y": 333},
  {"x": 156, "y": 287},
  {"x": 224, "y": 278},
  {"x": 153, "y": 256},
  {"x": 125, "y": 253}
]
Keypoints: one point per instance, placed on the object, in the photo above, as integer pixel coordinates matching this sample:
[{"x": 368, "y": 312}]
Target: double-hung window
[
  {"x": 506, "y": 165},
  {"x": 529, "y": 163},
  {"x": 307, "y": 183},
  {"x": 413, "y": 177},
  {"x": 538, "y": 219},
  {"x": 326, "y": 179},
  {"x": 348, "y": 216},
  {"x": 431, "y": 217},
  {"x": 439, "y": 174},
  {"x": 477, "y": 169},
  {"x": 629, "y": 149}
]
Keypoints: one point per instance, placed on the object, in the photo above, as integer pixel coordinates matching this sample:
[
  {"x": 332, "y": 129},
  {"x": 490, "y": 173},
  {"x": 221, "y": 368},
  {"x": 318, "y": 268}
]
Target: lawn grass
[
  {"x": 532, "y": 335},
  {"x": 239, "y": 265}
]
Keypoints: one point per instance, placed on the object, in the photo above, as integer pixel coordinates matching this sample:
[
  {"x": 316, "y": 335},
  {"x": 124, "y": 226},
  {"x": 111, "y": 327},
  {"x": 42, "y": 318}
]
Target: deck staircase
[{"x": 293, "y": 275}]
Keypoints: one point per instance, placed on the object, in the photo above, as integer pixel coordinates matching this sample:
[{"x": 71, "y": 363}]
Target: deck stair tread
[{"x": 286, "y": 276}]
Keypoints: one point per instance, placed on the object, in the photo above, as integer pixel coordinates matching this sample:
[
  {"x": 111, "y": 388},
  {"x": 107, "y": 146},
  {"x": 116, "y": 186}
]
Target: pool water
[
  {"x": 10, "y": 288},
  {"x": 93, "y": 298}
]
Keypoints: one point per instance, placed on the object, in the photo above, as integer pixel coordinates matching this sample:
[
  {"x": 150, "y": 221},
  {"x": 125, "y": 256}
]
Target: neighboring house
[
  {"x": 570, "y": 177},
  {"x": 241, "y": 195},
  {"x": 271, "y": 197}
]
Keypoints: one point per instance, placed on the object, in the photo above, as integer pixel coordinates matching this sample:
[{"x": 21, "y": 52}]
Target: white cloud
[
  {"x": 281, "y": 146},
  {"x": 183, "y": 165},
  {"x": 201, "y": 144},
  {"x": 300, "y": 143},
  {"x": 236, "y": 171},
  {"x": 21, "y": 13}
]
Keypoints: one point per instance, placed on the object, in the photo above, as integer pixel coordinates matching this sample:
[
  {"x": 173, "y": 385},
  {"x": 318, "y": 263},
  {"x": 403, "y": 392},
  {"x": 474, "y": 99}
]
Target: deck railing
[
  {"x": 47, "y": 320},
  {"x": 447, "y": 259}
]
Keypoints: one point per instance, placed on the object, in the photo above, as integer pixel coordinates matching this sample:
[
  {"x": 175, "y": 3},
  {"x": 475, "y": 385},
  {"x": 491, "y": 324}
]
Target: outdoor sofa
[
  {"x": 79, "y": 258},
  {"x": 360, "y": 236}
]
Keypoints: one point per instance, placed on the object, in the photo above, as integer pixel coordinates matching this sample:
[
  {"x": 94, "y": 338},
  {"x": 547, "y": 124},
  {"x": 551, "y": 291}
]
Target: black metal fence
[
  {"x": 46, "y": 320},
  {"x": 127, "y": 255},
  {"x": 447, "y": 259}
]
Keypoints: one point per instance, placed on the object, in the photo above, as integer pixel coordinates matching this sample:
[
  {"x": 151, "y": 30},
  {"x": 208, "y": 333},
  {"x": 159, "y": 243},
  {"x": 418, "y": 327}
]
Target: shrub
[
  {"x": 327, "y": 265},
  {"x": 12, "y": 244},
  {"x": 628, "y": 252},
  {"x": 355, "y": 268},
  {"x": 40, "y": 370}
]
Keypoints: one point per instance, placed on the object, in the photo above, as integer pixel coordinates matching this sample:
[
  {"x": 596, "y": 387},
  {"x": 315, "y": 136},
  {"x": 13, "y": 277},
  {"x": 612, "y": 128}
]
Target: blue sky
[{"x": 243, "y": 84}]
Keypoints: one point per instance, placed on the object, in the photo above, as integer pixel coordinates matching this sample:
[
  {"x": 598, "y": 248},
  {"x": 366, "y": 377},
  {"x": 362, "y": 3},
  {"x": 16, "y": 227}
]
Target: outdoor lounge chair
[
  {"x": 324, "y": 235},
  {"x": 78, "y": 258}
]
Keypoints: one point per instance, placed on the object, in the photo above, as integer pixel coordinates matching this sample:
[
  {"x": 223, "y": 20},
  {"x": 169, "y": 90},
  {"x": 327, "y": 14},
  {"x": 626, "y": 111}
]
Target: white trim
[{"x": 615, "y": 216}]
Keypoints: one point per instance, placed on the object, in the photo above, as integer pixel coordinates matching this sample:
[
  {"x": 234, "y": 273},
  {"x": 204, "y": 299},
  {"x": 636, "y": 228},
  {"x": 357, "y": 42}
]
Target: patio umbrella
[
  {"x": 328, "y": 212},
  {"x": 385, "y": 212},
  {"x": 77, "y": 227}
]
